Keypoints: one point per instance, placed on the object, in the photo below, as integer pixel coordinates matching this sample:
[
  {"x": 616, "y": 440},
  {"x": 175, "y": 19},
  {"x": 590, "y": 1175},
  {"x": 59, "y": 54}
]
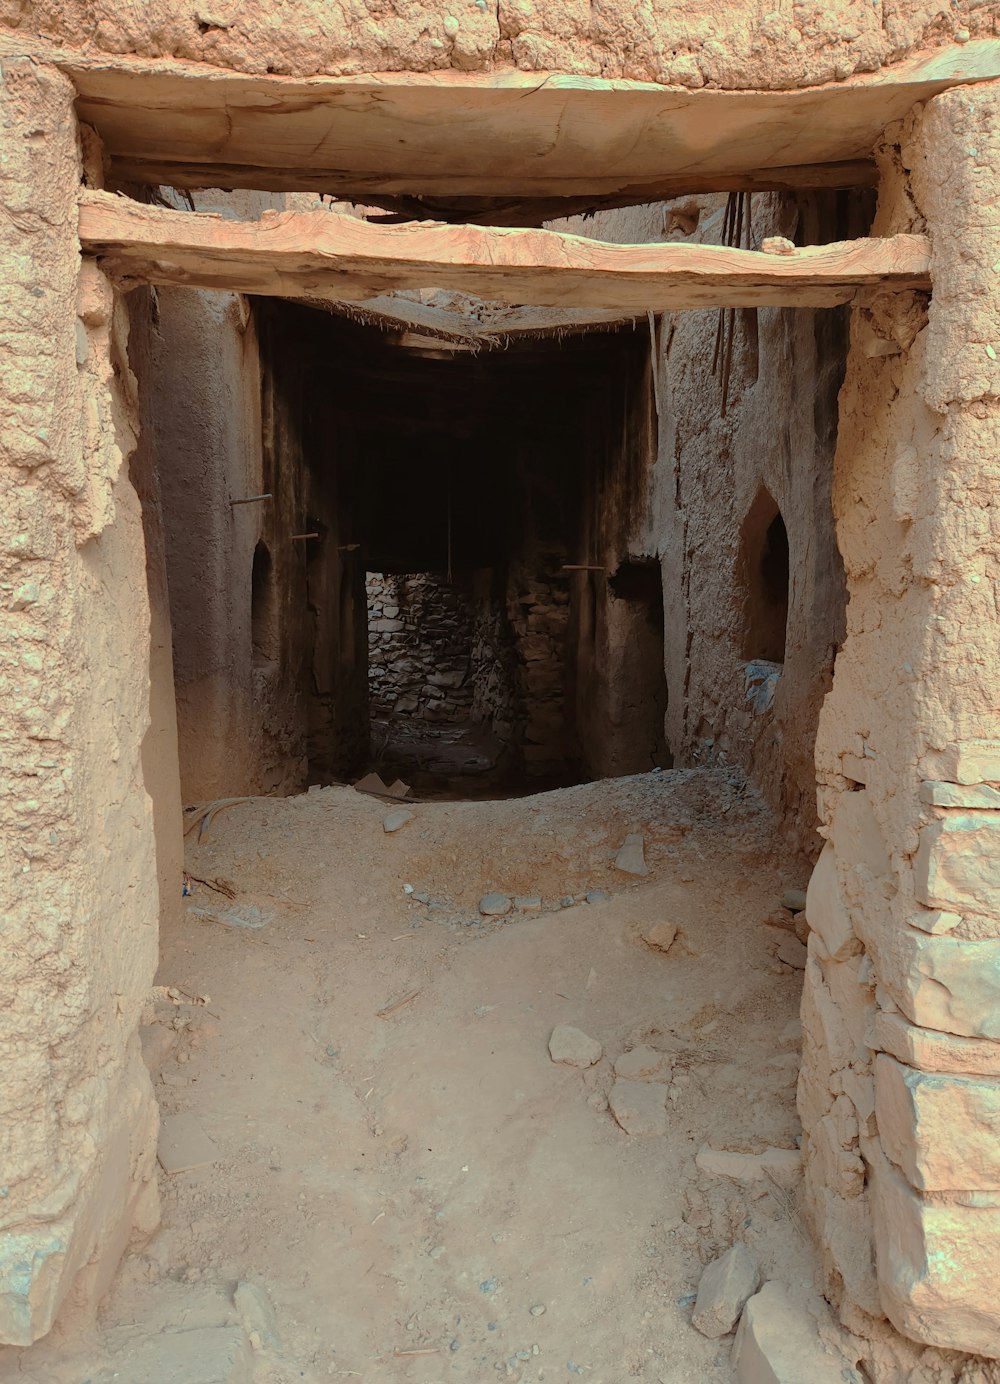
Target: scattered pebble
[
  {"x": 792, "y": 953},
  {"x": 794, "y": 899},
  {"x": 598, "y": 896},
  {"x": 538, "y": 1310},
  {"x": 488, "y": 1285},
  {"x": 567, "y": 901},
  {"x": 528, "y": 903},
  {"x": 494, "y": 905},
  {"x": 660, "y": 936},
  {"x": 394, "y": 820}
]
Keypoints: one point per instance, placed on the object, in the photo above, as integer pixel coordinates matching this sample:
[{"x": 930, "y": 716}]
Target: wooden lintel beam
[
  {"x": 546, "y": 201},
  {"x": 323, "y": 255}
]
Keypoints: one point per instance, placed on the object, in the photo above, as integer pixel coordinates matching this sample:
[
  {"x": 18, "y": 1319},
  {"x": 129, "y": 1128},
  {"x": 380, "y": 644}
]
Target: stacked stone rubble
[
  {"x": 900, "y": 1087},
  {"x": 420, "y": 630}
]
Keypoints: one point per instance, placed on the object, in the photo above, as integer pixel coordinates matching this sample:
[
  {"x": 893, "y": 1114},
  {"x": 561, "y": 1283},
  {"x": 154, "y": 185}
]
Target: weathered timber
[
  {"x": 322, "y": 255},
  {"x": 559, "y": 141}
]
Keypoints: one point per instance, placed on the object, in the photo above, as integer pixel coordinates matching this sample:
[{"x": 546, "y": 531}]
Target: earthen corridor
[{"x": 498, "y": 583}]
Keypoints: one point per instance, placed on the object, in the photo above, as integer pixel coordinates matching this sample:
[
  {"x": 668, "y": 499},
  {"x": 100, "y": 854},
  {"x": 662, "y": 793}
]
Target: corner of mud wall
[
  {"x": 900, "y": 1085},
  {"x": 777, "y": 433},
  {"x": 78, "y": 1128}
]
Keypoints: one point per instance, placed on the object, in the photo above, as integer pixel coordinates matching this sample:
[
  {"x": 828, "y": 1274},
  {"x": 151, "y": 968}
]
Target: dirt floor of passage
[{"x": 419, "y": 1191}]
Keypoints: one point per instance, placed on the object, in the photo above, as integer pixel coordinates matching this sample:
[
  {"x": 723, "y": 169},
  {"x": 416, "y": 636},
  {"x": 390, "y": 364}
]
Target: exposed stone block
[
  {"x": 935, "y": 920},
  {"x": 972, "y": 761},
  {"x": 778, "y": 1343},
  {"x": 946, "y": 983},
  {"x": 823, "y": 1024},
  {"x": 957, "y": 865},
  {"x": 936, "y": 1263},
  {"x": 942, "y": 1130},
  {"x": 977, "y": 795},
  {"x": 935, "y": 1052},
  {"x": 841, "y": 1169},
  {"x": 725, "y": 1286},
  {"x": 825, "y": 908}
]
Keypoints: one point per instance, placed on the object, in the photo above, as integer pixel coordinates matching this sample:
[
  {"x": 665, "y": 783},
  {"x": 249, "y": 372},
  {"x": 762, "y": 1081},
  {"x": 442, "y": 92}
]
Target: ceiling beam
[
  {"x": 503, "y": 135},
  {"x": 316, "y": 255}
]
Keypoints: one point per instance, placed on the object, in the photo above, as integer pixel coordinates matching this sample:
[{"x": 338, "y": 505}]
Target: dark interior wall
[
  {"x": 322, "y": 658},
  {"x": 616, "y": 611}
]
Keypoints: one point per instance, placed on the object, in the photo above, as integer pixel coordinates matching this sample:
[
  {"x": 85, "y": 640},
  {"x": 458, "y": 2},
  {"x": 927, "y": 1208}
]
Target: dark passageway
[{"x": 465, "y": 519}]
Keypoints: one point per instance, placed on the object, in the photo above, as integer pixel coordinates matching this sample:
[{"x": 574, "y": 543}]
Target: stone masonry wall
[
  {"x": 80, "y": 906},
  {"x": 900, "y": 1086},
  {"x": 420, "y": 633}
]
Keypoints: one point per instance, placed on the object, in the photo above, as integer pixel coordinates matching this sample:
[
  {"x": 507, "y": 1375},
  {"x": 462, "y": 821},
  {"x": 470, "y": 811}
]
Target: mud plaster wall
[
  {"x": 78, "y": 1126},
  {"x": 779, "y": 432},
  {"x": 747, "y": 45},
  {"x": 900, "y": 1084}
]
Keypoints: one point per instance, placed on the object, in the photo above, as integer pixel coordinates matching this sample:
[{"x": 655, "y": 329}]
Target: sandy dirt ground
[{"x": 401, "y": 1171}]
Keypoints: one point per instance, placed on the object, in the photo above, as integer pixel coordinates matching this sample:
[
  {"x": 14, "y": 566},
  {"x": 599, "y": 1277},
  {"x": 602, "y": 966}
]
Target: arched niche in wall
[
  {"x": 263, "y": 609},
  {"x": 763, "y": 576}
]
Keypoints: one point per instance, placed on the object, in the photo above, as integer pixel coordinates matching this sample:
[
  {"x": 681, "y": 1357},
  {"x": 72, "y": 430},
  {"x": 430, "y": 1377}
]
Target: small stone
[
  {"x": 538, "y": 1310},
  {"x": 793, "y": 953},
  {"x": 777, "y": 245},
  {"x": 639, "y": 1108},
  {"x": 794, "y": 899},
  {"x": 598, "y": 896},
  {"x": 494, "y": 905},
  {"x": 257, "y": 1315},
  {"x": 454, "y": 1345},
  {"x": 420, "y": 896},
  {"x": 528, "y": 903},
  {"x": 643, "y": 1064},
  {"x": 572, "y": 1046},
  {"x": 631, "y": 857},
  {"x": 488, "y": 1285},
  {"x": 394, "y": 820},
  {"x": 660, "y": 936},
  {"x": 567, "y": 901},
  {"x": 725, "y": 1286}
]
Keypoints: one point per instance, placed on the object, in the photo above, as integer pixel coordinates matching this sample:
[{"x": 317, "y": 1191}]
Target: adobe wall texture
[
  {"x": 900, "y": 1085},
  {"x": 77, "y": 1131},
  {"x": 746, "y": 45}
]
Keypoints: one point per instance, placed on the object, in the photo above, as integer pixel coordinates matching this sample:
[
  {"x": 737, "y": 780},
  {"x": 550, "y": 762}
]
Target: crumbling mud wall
[
  {"x": 900, "y": 1084},
  {"x": 78, "y": 1126},
  {"x": 744, "y": 46}
]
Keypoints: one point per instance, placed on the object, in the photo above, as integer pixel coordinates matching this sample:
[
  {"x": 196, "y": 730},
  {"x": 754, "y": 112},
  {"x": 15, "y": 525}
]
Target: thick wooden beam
[
  {"x": 508, "y": 134},
  {"x": 322, "y": 255}
]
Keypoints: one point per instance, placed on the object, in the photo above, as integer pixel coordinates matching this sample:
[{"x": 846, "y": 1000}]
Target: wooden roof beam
[
  {"x": 505, "y": 136},
  {"x": 320, "y": 255}
]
